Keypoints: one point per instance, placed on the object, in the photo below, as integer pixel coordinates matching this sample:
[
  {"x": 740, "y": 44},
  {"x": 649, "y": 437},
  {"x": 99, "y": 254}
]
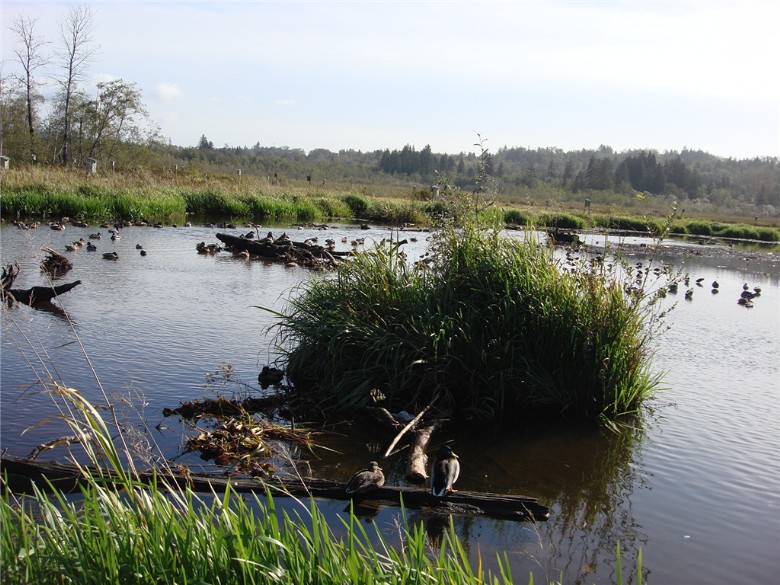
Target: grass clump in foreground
[
  {"x": 496, "y": 328},
  {"x": 142, "y": 535}
]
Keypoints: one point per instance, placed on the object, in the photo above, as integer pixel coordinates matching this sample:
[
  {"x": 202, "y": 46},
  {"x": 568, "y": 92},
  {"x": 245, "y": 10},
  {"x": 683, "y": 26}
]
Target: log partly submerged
[
  {"x": 36, "y": 295},
  {"x": 284, "y": 249},
  {"x": 20, "y": 475}
]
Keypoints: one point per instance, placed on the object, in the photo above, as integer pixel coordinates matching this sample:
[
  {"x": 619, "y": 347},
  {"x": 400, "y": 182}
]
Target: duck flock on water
[{"x": 745, "y": 299}]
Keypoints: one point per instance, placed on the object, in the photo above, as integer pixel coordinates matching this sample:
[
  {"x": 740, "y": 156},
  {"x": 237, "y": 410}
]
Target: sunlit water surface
[{"x": 696, "y": 487}]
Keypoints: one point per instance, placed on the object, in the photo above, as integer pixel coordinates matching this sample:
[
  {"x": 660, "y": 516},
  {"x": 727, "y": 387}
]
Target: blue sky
[{"x": 366, "y": 75}]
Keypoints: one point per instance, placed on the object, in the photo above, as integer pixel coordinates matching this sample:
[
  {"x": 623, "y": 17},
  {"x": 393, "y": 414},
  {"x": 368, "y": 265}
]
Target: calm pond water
[{"x": 696, "y": 486}]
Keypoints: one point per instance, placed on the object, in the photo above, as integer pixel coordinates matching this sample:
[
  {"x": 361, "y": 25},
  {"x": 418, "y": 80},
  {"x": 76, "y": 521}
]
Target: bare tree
[
  {"x": 29, "y": 53},
  {"x": 75, "y": 54}
]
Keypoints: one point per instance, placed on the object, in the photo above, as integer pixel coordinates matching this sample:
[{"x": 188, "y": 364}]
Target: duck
[
  {"x": 270, "y": 377},
  {"x": 444, "y": 472},
  {"x": 114, "y": 235},
  {"x": 91, "y": 247},
  {"x": 111, "y": 256},
  {"x": 366, "y": 480}
]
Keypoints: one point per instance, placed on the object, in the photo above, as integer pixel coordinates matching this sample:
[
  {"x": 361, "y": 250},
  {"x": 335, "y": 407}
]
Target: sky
[{"x": 368, "y": 75}]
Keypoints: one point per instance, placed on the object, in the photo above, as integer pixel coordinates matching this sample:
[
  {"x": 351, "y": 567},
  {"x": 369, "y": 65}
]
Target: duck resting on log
[{"x": 22, "y": 474}]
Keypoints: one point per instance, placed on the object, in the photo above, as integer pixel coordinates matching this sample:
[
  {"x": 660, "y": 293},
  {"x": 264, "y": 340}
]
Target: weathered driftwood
[
  {"x": 411, "y": 424},
  {"x": 55, "y": 263},
  {"x": 418, "y": 438},
  {"x": 41, "y": 294},
  {"x": 20, "y": 475},
  {"x": 34, "y": 295},
  {"x": 416, "y": 470},
  {"x": 383, "y": 417},
  {"x": 303, "y": 253},
  {"x": 559, "y": 237}
]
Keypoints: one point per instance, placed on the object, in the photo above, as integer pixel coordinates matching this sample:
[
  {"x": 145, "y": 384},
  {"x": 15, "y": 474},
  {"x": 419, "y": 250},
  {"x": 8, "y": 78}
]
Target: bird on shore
[
  {"x": 444, "y": 472},
  {"x": 366, "y": 480},
  {"x": 270, "y": 377}
]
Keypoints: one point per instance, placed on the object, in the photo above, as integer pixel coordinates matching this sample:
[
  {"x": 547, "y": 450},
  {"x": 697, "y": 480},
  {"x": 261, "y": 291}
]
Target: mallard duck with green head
[{"x": 444, "y": 472}]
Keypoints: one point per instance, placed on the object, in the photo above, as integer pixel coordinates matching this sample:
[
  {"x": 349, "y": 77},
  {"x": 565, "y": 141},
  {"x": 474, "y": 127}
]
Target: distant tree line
[{"x": 687, "y": 175}]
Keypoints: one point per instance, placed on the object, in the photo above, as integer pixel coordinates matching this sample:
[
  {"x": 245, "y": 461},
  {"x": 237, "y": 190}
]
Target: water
[{"x": 696, "y": 486}]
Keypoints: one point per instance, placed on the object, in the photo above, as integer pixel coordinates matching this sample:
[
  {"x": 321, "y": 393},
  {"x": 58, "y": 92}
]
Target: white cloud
[{"x": 168, "y": 92}]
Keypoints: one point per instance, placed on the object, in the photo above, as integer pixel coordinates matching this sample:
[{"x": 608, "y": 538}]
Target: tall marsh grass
[
  {"x": 492, "y": 326},
  {"x": 492, "y": 329},
  {"x": 154, "y": 537}
]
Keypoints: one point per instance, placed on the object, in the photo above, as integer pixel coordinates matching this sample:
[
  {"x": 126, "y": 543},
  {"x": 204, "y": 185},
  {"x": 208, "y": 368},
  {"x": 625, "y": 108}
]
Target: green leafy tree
[
  {"x": 13, "y": 129},
  {"x": 117, "y": 116}
]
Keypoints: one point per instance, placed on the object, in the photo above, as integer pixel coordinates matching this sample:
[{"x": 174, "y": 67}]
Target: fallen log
[
  {"x": 418, "y": 460},
  {"x": 559, "y": 237},
  {"x": 37, "y": 295},
  {"x": 41, "y": 294},
  {"x": 302, "y": 253},
  {"x": 20, "y": 475},
  {"x": 55, "y": 263}
]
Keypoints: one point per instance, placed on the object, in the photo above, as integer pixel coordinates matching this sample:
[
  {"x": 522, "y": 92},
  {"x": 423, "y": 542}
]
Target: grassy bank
[{"x": 40, "y": 193}]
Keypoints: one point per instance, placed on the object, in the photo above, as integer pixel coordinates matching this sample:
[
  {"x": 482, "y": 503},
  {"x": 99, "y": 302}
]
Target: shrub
[
  {"x": 513, "y": 216},
  {"x": 699, "y": 228},
  {"x": 561, "y": 220},
  {"x": 357, "y": 205}
]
